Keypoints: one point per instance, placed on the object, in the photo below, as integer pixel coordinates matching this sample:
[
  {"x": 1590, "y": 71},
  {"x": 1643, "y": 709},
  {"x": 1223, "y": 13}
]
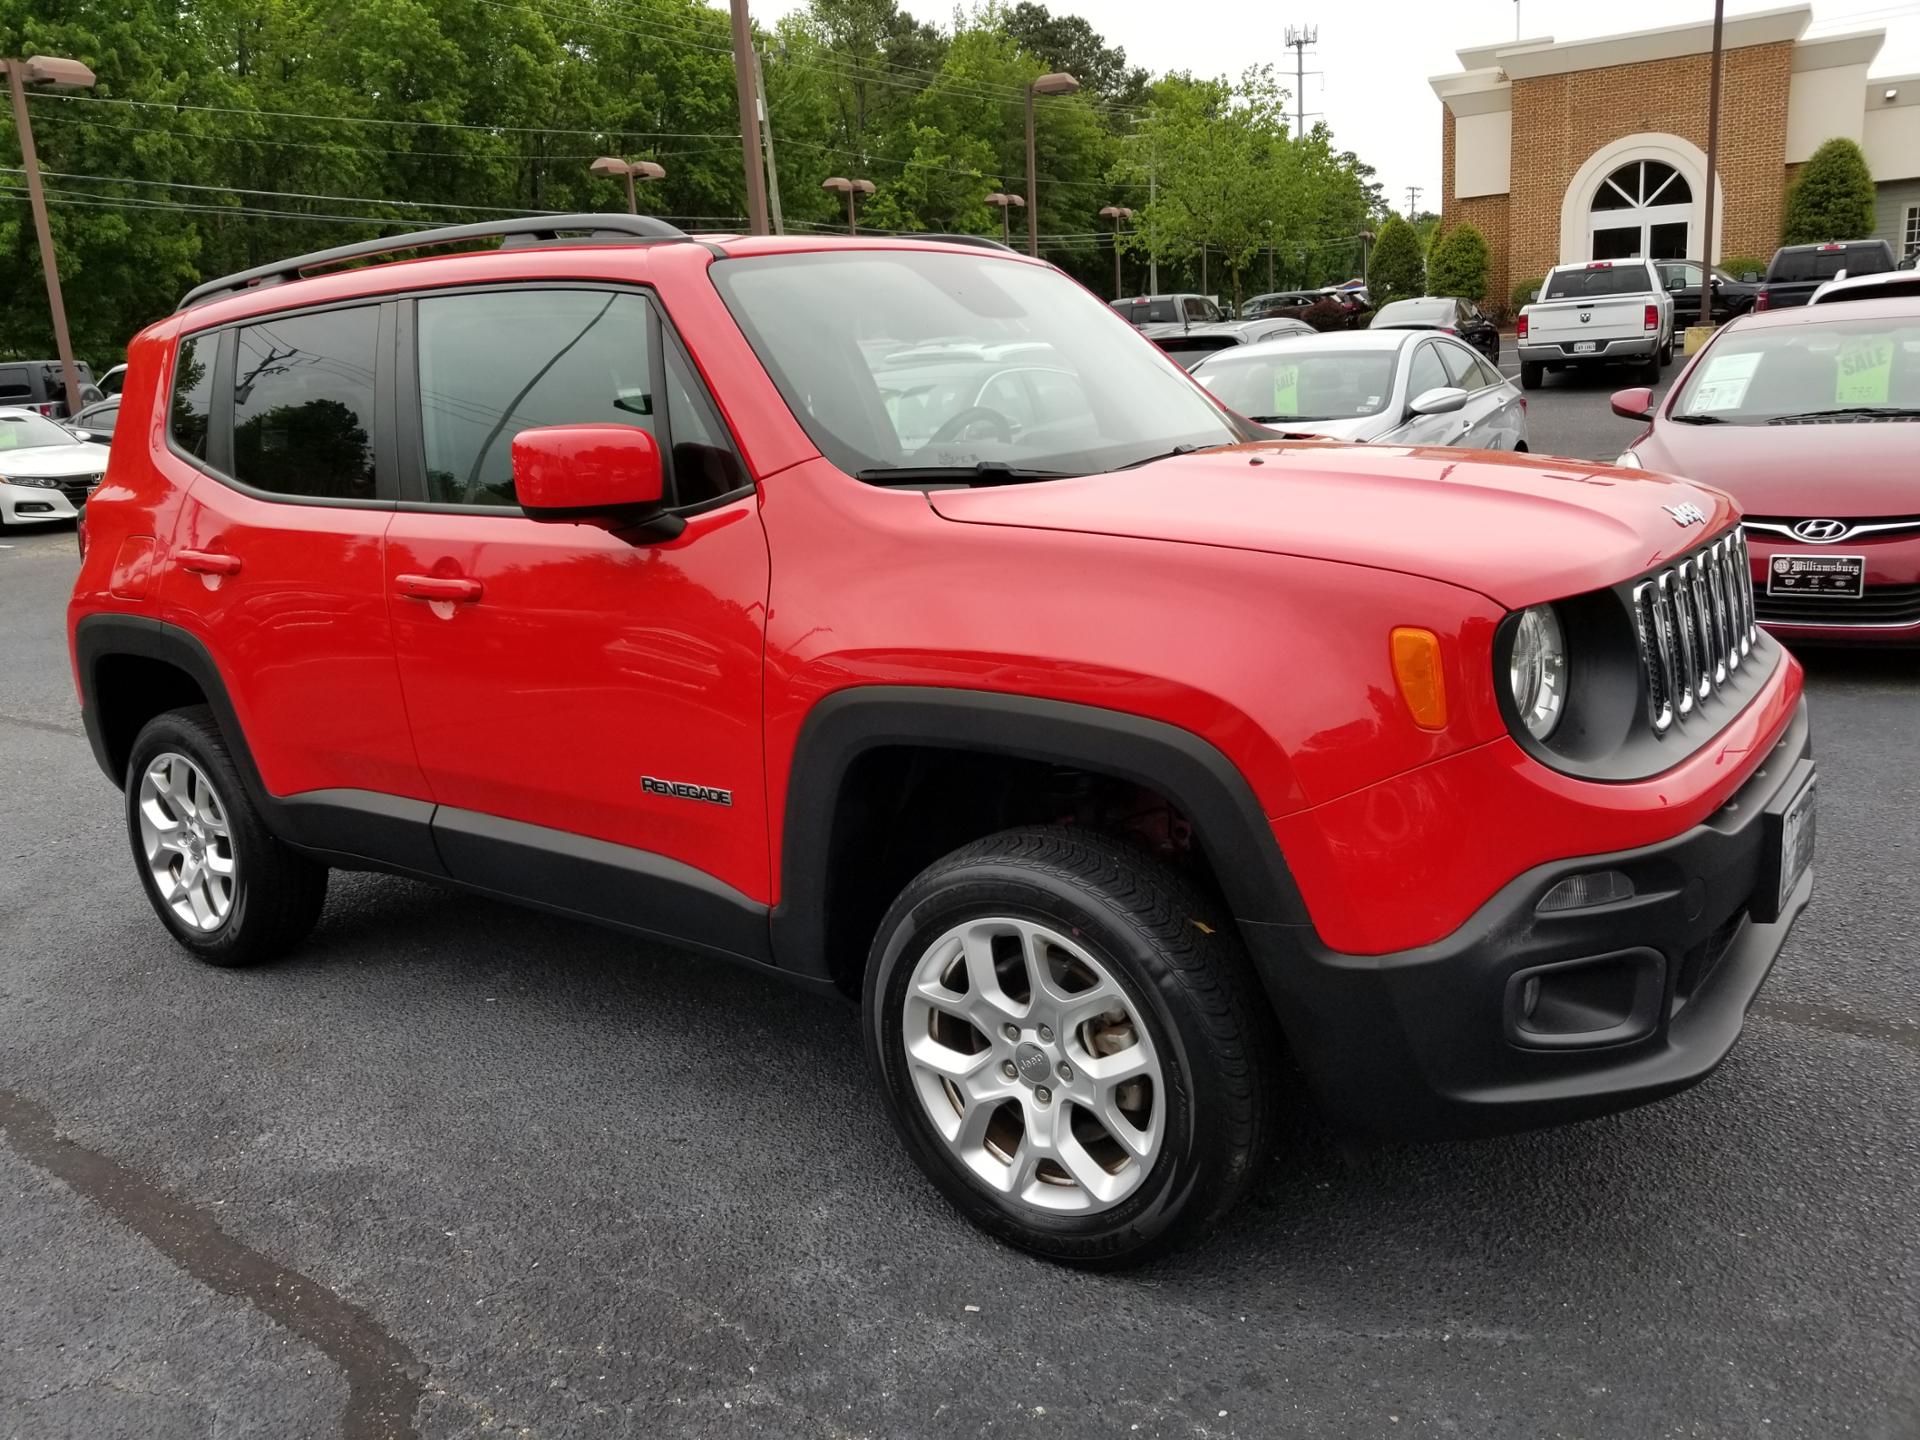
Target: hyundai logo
[{"x": 1821, "y": 532}]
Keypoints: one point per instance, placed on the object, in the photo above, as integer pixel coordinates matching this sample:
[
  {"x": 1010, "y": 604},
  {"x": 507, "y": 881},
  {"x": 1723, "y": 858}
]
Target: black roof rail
[
  {"x": 984, "y": 242},
  {"x": 520, "y": 229}
]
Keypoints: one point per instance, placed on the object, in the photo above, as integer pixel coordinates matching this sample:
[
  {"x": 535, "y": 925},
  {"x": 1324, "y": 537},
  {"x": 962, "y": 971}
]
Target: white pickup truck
[{"x": 1598, "y": 313}]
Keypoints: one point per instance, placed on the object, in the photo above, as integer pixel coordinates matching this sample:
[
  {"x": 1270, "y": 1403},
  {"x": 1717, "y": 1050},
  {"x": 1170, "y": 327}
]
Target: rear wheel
[
  {"x": 1650, "y": 368},
  {"x": 1666, "y": 352},
  {"x": 229, "y": 891},
  {"x": 1070, "y": 1042},
  {"x": 1532, "y": 372}
]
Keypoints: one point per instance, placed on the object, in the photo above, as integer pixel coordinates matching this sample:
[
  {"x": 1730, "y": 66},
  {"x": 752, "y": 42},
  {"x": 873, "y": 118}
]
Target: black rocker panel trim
[{"x": 1206, "y": 786}]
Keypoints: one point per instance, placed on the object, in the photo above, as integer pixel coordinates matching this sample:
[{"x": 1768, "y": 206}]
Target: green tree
[
  {"x": 1458, "y": 263},
  {"x": 1397, "y": 271},
  {"x": 1832, "y": 197}
]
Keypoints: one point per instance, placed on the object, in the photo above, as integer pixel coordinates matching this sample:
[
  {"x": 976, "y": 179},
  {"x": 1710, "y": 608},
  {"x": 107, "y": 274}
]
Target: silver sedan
[{"x": 1399, "y": 387}]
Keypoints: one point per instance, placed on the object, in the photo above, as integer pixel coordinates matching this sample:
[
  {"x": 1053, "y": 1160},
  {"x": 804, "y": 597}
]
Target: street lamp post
[
  {"x": 1118, "y": 214},
  {"x": 50, "y": 70},
  {"x": 610, "y": 167},
  {"x": 849, "y": 188},
  {"x": 1057, "y": 83},
  {"x": 1005, "y": 202}
]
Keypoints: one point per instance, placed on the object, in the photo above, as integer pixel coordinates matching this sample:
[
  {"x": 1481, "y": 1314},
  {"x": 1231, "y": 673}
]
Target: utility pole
[
  {"x": 1413, "y": 202},
  {"x": 72, "y": 75},
  {"x": 744, "y": 71},
  {"x": 766, "y": 136},
  {"x": 1713, "y": 162},
  {"x": 1298, "y": 38}
]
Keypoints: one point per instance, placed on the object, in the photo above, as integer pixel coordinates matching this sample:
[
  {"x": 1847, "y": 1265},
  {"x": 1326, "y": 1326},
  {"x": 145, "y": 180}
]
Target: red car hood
[
  {"x": 1516, "y": 528},
  {"x": 1846, "y": 471}
]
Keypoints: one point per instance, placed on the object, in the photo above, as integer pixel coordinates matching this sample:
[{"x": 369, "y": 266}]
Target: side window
[
  {"x": 1427, "y": 373},
  {"x": 303, "y": 404},
  {"x": 1196, "y": 309},
  {"x": 704, "y": 466},
  {"x": 495, "y": 363},
  {"x": 16, "y": 386},
  {"x": 1489, "y": 373},
  {"x": 192, "y": 394},
  {"x": 1463, "y": 366}
]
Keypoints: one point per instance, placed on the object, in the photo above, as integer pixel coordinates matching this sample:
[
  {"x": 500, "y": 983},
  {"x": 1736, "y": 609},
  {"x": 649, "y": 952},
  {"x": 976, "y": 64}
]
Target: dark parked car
[
  {"x": 1278, "y": 302},
  {"x": 95, "y": 423},
  {"x": 1798, "y": 270},
  {"x": 37, "y": 385},
  {"x": 1732, "y": 296},
  {"x": 1190, "y": 347},
  {"x": 1446, "y": 313}
]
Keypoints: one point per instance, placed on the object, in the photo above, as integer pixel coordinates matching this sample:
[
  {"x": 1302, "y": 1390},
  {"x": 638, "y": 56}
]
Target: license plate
[
  {"x": 1797, "y": 828},
  {"x": 1585, "y": 347},
  {"x": 1841, "y": 577}
]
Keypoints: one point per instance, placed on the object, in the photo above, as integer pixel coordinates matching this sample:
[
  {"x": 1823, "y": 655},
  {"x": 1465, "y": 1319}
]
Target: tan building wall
[{"x": 1560, "y": 120}]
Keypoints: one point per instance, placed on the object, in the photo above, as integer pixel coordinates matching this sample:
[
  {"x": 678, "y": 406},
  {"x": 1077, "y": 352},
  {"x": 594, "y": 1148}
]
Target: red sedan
[{"x": 1810, "y": 418}]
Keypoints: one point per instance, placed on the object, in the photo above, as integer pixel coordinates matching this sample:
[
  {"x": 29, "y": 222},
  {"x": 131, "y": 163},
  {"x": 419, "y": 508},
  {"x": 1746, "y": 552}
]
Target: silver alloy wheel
[
  {"x": 187, "y": 841},
  {"x": 1033, "y": 1066}
]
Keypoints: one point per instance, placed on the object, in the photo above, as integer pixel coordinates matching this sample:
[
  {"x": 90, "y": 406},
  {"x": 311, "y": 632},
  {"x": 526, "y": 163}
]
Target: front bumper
[
  {"x": 29, "y": 504},
  {"x": 1434, "y": 1042},
  {"x": 1638, "y": 347}
]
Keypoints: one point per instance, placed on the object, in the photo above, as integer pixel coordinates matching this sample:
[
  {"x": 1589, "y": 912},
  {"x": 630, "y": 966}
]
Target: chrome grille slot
[{"x": 1694, "y": 624}]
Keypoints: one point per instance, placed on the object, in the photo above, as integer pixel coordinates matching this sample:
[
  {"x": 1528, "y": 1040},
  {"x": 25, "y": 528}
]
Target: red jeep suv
[{"x": 889, "y": 615}]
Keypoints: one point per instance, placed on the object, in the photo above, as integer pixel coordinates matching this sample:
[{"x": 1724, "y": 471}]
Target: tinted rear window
[
  {"x": 1825, "y": 264},
  {"x": 1593, "y": 284},
  {"x": 1151, "y": 312}
]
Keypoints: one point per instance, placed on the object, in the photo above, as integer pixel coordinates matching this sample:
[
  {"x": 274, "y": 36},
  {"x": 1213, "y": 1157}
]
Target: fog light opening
[{"x": 1581, "y": 892}]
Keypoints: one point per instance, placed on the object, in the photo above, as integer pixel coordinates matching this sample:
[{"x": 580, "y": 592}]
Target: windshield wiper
[
  {"x": 1698, "y": 420},
  {"x": 983, "y": 472},
  {"x": 1172, "y": 454},
  {"x": 1890, "y": 411},
  {"x": 1288, "y": 419}
]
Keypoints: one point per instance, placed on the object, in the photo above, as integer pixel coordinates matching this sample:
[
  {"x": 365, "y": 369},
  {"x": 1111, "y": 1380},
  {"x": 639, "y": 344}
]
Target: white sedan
[
  {"x": 1400, "y": 387},
  {"x": 45, "y": 473}
]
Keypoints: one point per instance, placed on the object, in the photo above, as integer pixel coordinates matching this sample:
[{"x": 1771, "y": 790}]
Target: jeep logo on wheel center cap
[{"x": 1032, "y": 1063}]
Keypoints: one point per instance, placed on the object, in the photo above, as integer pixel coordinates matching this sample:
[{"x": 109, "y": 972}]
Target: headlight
[
  {"x": 1630, "y": 460},
  {"x": 1538, "y": 670}
]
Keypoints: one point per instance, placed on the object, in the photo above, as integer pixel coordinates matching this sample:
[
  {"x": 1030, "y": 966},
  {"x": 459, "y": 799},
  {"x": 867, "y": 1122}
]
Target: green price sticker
[
  {"x": 1286, "y": 390},
  {"x": 1866, "y": 371}
]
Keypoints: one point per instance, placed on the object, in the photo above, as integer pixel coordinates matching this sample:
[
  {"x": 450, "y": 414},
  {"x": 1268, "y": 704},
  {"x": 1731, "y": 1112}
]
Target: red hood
[
  {"x": 1846, "y": 471},
  {"x": 1516, "y": 528}
]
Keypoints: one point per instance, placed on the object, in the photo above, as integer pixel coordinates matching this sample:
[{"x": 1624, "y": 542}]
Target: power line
[{"x": 278, "y": 194}]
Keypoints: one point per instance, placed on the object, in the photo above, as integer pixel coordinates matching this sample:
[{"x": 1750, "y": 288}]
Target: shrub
[
  {"x": 1832, "y": 197},
  {"x": 1397, "y": 271},
  {"x": 1523, "y": 292},
  {"x": 1738, "y": 265},
  {"x": 1458, "y": 264}
]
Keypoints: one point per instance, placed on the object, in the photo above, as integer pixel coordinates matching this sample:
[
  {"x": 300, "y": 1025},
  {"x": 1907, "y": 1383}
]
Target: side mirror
[
  {"x": 605, "y": 475},
  {"x": 1716, "y": 282},
  {"x": 1635, "y": 404},
  {"x": 1678, "y": 283},
  {"x": 1441, "y": 400}
]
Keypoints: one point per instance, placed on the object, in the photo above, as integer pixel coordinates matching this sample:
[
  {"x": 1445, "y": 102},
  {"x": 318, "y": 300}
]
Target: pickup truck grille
[{"x": 1695, "y": 624}]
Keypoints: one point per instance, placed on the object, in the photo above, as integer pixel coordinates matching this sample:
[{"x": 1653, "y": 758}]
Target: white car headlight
[{"x": 1537, "y": 670}]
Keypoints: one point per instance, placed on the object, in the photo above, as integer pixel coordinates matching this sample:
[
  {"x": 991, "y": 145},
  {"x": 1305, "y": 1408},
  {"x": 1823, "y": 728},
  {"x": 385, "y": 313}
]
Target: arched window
[{"x": 1642, "y": 210}]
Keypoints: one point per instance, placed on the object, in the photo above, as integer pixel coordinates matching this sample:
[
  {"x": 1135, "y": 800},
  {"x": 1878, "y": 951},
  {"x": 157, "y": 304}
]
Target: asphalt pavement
[
  {"x": 1569, "y": 414},
  {"x": 458, "y": 1169}
]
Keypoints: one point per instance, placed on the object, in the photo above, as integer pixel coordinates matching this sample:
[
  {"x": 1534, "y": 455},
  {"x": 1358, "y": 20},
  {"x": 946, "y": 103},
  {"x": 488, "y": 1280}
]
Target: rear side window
[
  {"x": 1592, "y": 284},
  {"x": 192, "y": 395},
  {"x": 15, "y": 385},
  {"x": 303, "y": 404},
  {"x": 495, "y": 363}
]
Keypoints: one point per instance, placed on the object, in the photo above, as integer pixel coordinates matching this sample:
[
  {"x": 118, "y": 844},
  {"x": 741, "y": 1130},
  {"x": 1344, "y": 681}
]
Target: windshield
[
  {"x": 1806, "y": 370},
  {"x": 912, "y": 359},
  {"x": 1272, "y": 386},
  {"x": 1590, "y": 283},
  {"x": 29, "y": 432}
]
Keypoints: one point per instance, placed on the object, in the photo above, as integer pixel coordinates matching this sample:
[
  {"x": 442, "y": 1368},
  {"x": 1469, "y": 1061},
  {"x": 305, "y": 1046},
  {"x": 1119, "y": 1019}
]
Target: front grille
[
  {"x": 1880, "y": 605},
  {"x": 1695, "y": 626},
  {"x": 77, "y": 490}
]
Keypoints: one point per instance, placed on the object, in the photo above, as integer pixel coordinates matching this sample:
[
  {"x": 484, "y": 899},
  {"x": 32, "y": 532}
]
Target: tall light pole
[
  {"x": 1153, "y": 194},
  {"x": 1713, "y": 164},
  {"x": 1118, "y": 214},
  {"x": 849, "y": 188},
  {"x": 67, "y": 75},
  {"x": 744, "y": 74},
  {"x": 612, "y": 167},
  {"x": 1005, "y": 202},
  {"x": 1057, "y": 83}
]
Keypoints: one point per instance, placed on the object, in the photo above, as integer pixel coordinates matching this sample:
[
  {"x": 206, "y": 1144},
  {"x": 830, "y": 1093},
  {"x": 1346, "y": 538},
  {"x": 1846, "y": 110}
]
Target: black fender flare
[{"x": 1227, "y": 819}]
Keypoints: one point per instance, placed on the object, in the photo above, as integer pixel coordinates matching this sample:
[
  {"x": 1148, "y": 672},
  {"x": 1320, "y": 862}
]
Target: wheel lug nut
[
  {"x": 1007, "y": 1070},
  {"x": 1066, "y": 1071},
  {"x": 1012, "y": 1032},
  {"x": 1043, "y": 1095},
  {"x": 1046, "y": 1034}
]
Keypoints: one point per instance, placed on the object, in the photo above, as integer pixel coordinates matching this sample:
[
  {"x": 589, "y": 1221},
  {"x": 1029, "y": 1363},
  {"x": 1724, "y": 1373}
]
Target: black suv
[{"x": 1799, "y": 270}]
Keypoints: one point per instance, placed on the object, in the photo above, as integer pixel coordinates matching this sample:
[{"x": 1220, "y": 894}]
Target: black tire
[
  {"x": 1186, "y": 978},
  {"x": 1532, "y": 373},
  {"x": 1650, "y": 369},
  {"x": 1666, "y": 352},
  {"x": 277, "y": 894}
]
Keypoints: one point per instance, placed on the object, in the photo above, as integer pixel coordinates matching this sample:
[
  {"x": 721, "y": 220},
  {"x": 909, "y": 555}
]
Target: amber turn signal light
[{"x": 1416, "y": 665}]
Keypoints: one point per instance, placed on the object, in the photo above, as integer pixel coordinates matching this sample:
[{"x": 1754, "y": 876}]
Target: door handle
[
  {"x": 207, "y": 562},
  {"x": 457, "y": 588}
]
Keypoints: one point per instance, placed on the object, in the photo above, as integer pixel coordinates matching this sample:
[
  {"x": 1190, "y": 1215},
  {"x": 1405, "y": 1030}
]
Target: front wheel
[
  {"x": 1071, "y": 1043},
  {"x": 229, "y": 891}
]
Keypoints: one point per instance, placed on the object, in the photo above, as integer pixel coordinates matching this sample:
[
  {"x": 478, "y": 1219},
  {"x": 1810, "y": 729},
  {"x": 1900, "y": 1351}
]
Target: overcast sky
[{"x": 1375, "y": 55}]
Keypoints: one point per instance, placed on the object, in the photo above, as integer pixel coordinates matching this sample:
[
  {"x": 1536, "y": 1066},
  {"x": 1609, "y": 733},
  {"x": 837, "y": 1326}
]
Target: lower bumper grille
[{"x": 1880, "y": 605}]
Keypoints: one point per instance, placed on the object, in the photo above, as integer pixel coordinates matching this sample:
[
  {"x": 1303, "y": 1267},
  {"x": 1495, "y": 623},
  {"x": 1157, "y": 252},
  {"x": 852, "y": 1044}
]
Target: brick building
[{"x": 1596, "y": 149}]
